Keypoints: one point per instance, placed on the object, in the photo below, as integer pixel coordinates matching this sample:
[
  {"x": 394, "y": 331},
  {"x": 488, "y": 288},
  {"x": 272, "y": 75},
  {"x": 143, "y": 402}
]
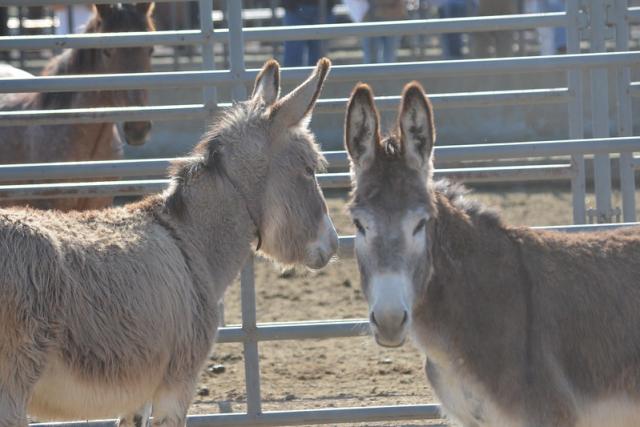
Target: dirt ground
[{"x": 347, "y": 371}]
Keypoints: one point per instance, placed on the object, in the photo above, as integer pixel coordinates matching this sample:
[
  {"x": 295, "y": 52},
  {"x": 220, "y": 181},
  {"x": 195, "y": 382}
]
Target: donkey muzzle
[{"x": 320, "y": 251}]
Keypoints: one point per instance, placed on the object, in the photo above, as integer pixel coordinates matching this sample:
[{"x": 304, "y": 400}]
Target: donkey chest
[{"x": 464, "y": 399}]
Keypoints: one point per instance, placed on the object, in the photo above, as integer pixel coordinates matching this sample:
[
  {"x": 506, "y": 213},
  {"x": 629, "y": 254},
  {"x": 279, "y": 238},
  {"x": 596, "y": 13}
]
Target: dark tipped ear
[
  {"x": 416, "y": 127},
  {"x": 298, "y": 104},
  {"x": 362, "y": 128},
  {"x": 145, "y": 8},
  {"x": 267, "y": 85},
  {"x": 104, "y": 10}
]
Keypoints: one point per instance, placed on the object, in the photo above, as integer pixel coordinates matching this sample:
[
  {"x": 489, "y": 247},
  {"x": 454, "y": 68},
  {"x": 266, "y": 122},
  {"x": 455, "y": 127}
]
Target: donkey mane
[
  {"x": 455, "y": 193},
  {"x": 208, "y": 153}
]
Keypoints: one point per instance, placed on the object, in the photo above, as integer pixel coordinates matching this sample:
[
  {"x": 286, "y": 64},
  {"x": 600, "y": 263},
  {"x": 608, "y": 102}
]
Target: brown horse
[
  {"x": 521, "y": 328},
  {"x": 78, "y": 142},
  {"x": 113, "y": 312}
]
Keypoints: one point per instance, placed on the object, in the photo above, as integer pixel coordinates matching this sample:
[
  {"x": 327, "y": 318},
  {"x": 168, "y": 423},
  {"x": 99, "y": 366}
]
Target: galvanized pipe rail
[
  {"x": 327, "y": 181},
  {"x": 285, "y": 33},
  {"x": 339, "y": 73},
  {"x": 336, "y": 159},
  {"x": 327, "y": 105}
]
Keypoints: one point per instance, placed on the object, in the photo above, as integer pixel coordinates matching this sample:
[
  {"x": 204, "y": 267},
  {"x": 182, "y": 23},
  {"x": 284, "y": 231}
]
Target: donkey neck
[
  {"x": 217, "y": 220},
  {"x": 474, "y": 301}
]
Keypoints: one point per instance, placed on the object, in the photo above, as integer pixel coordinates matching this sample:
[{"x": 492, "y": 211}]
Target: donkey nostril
[
  {"x": 372, "y": 319},
  {"x": 405, "y": 318}
]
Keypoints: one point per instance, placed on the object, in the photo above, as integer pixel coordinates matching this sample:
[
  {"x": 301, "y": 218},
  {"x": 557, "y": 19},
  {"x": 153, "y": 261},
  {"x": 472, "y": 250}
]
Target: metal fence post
[
  {"x": 247, "y": 277},
  {"x": 250, "y": 344},
  {"x": 576, "y": 114},
  {"x": 600, "y": 111},
  {"x": 209, "y": 93},
  {"x": 624, "y": 122}
]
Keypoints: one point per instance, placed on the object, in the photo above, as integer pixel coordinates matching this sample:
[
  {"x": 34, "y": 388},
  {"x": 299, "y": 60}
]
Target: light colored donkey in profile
[
  {"x": 521, "y": 328},
  {"x": 112, "y": 313}
]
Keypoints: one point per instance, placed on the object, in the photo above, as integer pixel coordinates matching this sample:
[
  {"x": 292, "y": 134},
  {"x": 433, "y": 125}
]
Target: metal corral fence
[{"x": 591, "y": 22}]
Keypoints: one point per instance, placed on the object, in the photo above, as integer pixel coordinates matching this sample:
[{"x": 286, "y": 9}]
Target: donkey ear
[
  {"x": 415, "y": 122},
  {"x": 145, "y": 8},
  {"x": 104, "y": 10},
  {"x": 361, "y": 127},
  {"x": 297, "y": 105},
  {"x": 267, "y": 85}
]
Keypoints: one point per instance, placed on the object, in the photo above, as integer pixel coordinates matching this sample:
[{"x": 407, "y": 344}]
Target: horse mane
[
  {"x": 456, "y": 194},
  {"x": 71, "y": 61},
  {"x": 83, "y": 61}
]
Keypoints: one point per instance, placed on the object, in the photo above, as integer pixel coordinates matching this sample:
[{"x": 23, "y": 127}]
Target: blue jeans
[
  {"x": 452, "y": 42},
  {"x": 559, "y": 33},
  {"x": 298, "y": 53},
  {"x": 379, "y": 49}
]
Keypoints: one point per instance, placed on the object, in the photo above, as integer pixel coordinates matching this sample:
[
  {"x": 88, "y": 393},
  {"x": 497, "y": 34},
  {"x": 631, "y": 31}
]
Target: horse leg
[
  {"x": 140, "y": 418},
  {"x": 171, "y": 404}
]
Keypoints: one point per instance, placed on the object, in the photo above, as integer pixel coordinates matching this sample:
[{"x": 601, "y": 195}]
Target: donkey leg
[
  {"x": 19, "y": 371},
  {"x": 171, "y": 404},
  {"x": 140, "y": 418},
  {"x": 13, "y": 409}
]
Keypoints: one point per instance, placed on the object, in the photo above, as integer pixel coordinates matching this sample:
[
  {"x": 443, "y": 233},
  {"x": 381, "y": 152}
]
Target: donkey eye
[
  {"x": 310, "y": 171},
  {"x": 359, "y": 226},
  {"x": 420, "y": 226}
]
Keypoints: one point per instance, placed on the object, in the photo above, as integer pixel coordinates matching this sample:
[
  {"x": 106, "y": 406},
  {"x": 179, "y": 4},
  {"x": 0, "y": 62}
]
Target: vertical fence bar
[
  {"x": 624, "y": 122},
  {"x": 576, "y": 114},
  {"x": 247, "y": 277},
  {"x": 209, "y": 94},
  {"x": 236, "y": 49},
  {"x": 600, "y": 111},
  {"x": 251, "y": 357}
]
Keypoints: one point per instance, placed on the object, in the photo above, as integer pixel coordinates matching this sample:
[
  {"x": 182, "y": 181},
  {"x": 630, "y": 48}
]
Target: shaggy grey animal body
[
  {"x": 521, "y": 328},
  {"x": 112, "y": 313}
]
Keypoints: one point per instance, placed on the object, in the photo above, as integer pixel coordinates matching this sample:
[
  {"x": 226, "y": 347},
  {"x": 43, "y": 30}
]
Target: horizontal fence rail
[
  {"x": 101, "y": 40},
  {"x": 327, "y": 105},
  {"x": 299, "y": 417},
  {"x": 326, "y": 181},
  {"x": 339, "y": 73},
  {"x": 336, "y": 159},
  {"x": 285, "y": 33}
]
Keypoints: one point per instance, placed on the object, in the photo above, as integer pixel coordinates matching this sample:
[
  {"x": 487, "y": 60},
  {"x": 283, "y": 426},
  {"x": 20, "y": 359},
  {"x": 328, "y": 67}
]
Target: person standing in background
[
  {"x": 80, "y": 15},
  {"x": 552, "y": 40},
  {"x": 383, "y": 48},
  {"x": 298, "y": 53},
  {"x": 451, "y": 42},
  {"x": 501, "y": 41},
  {"x": 4, "y": 31}
]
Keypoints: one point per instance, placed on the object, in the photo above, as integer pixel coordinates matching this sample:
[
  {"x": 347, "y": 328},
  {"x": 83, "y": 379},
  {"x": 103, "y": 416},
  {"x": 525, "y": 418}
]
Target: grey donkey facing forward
[
  {"x": 112, "y": 313},
  {"x": 520, "y": 328}
]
